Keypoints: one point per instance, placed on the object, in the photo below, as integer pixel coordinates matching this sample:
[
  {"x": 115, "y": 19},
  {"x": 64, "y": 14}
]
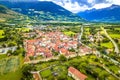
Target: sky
[{"x": 76, "y": 6}]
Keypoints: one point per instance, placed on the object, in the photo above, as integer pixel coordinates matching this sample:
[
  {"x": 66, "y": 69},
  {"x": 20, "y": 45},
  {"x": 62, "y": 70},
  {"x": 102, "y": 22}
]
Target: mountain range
[
  {"x": 42, "y": 10},
  {"x": 49, "y": 11},
  {"x": 109, "y": 14}
]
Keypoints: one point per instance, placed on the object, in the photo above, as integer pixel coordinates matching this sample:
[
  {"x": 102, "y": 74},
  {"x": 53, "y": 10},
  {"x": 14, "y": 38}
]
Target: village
[{"x": 55, "y": 43}]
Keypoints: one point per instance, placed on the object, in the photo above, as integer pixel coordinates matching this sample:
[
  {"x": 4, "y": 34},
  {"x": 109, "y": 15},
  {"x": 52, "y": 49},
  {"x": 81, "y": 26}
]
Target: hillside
[
  {"x": 109, "y": 14},
  {"x": 6, "y": 14},
  {"x": 41, "y": 10}
]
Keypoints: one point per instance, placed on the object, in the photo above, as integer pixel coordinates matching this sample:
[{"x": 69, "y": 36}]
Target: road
[
  {"x": 5, "y": 50},
  {"x": 114, "y": 43},
  {"x": 80, "y": 36},
  {"x": 54, "y": 58}
]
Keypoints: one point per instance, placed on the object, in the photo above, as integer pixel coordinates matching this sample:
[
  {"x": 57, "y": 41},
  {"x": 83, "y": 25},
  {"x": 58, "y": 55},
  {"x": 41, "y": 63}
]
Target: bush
[{"x": 62, "y": 58}]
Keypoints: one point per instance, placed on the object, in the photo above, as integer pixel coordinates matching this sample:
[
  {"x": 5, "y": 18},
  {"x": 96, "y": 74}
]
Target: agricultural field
[
  {"x": 87, "y": 30},
  {"x": 108, "y": 45},
  {"x": 9, "y": 64},
  {"x": 1, "y": 34},
  {"x": 10, "y": 68},
  {"x": 14, "y": 75},
  {"x": 23, "y": 29},
  {"x": 112, "y": 35},
  {"x": 2, "y": 56},
  {"x": 69, "y": 33},
  {"x": 114, "y": 32}
]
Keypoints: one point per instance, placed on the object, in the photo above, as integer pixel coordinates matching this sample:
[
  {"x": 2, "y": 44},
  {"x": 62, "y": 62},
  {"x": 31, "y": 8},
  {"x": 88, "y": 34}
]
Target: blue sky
[{"x": 80, "y": 5}]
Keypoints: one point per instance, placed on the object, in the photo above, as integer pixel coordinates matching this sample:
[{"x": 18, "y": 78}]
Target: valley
[{"x": 41, "y": 40}]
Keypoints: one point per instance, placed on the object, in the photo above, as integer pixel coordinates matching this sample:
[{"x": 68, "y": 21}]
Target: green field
[
  {"x": 9, "y": 64},
  {"x": 117, "y": 28},
  {"x": 108, "y": 45},
  {"x": 1, "y": 32},
  {"x": 23, "y": 29},
  {"x": 10, "y": 67},
  {"x": 69, "y": 33},
  {"x": 12, "y": 75},
  {"x": 114, "y": 35},
  {"x": 87, "y": 30},
  {"x": 2, "y": 56}
]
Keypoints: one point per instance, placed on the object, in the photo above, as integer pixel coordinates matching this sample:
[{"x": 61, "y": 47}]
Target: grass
[
  {"x": 10, "y": 67},
  {"x": 2, "y": 20},
  {"x": 114, "y": 35},
  {"x": 1, "y": 32},
  {"x": 24, "y": 29},
  {"x": 87, "y": 31},
  {"x": 46, "y": 73},
  {"x": 9, "y": 64},
  {"x": 2, "y": 56},
  {"x": 61, "y": 70},
  {"x": 2, "y": 36},
  {"x": 12, "y": 75},
  {"x": 101, "y": 32},
  {"x": 69, "y": 33},
  {"x": 108, "y": 45},
  {"x": 114, "y": 68},
  {"x": 117, "y": 28}
]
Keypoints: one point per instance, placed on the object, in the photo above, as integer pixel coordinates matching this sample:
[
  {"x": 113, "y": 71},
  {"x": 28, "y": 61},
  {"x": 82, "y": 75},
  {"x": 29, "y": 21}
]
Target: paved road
[
  {"x": 114, "y": 43},
  {"x": 55, "y": 58},
  {"x": 80, "y": 36},
  {"x": 5, "y": 50}
]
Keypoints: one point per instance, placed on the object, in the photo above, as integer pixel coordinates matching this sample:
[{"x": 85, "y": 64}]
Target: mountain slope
[
  {"x": 42, "y": 10},
  {"x": 5, "y": 13},
  {"x": 109, "y": 14}
]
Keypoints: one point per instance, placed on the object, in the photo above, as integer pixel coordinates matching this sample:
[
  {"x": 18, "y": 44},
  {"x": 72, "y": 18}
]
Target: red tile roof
[{"x": 77, "y": 73}]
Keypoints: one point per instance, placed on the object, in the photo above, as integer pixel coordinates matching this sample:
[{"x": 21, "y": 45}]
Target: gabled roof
[{"x": 77, "y": 73}]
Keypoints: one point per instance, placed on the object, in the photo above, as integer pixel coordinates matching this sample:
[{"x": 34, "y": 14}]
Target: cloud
[
  {"x": 80, "y": 5},
  {"x": 101, "y": 5}
]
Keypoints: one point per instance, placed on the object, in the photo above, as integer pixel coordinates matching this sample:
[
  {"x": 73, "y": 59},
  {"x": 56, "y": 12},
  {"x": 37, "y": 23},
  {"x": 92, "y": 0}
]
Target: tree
[
  {"x": 26, "y": 75},
  {"x": 62, "y": 58},
  {"x": 9, "y": 52},
  {"x": 11, "y": 44}
]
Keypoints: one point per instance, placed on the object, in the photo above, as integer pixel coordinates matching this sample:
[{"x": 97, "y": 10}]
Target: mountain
[
  {"x": 109, "y": 14},
  {"x": 42, "y": 10},
  {"x": 5, "y": 13}
]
